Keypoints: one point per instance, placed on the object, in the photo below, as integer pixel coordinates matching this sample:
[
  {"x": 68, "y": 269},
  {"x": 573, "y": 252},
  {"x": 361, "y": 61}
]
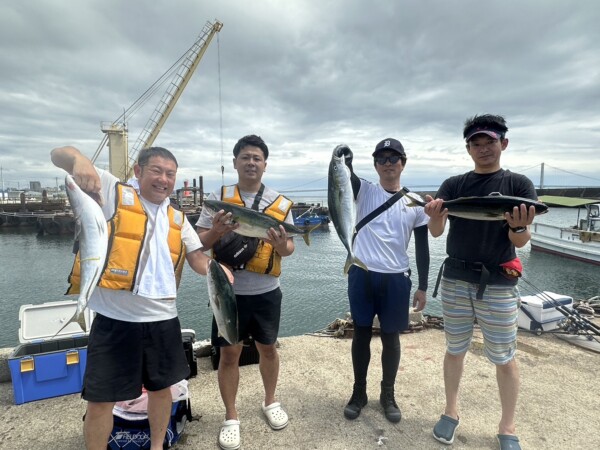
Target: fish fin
[
  {"x": 100, "y": 225},
  {"x": 413, "y": 201},
  {"x": 77, "y": 229}
]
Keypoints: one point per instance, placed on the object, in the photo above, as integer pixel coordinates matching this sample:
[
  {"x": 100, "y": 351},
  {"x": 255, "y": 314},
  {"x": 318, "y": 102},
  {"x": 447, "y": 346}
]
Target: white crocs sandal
[
  {"x": 276, "y": 416},
  {"x": 229, "y": 436}
]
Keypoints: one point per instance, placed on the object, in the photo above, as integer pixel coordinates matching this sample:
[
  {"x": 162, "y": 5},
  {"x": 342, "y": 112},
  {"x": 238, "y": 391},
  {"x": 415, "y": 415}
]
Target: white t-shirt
[
  {"x": 382, "y": 243},
  {"x": 246, "y": 282},
  {"x": 124, "y": 305}
]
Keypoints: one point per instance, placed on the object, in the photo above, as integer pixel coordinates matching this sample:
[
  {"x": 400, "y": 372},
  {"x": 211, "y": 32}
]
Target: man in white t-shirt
[
  {"x": 135, "y": 339},
  {"x": 381, "y": 244},
  {"x": 256, "y": 284}
]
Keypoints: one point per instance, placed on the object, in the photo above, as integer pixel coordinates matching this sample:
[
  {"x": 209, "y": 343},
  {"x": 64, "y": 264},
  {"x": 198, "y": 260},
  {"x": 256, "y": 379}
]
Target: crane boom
[{"x": 174, "y": 91}]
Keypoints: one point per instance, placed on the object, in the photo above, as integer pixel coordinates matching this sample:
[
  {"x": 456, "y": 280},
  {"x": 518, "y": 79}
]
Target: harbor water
[{"x": 34, "y": 269}]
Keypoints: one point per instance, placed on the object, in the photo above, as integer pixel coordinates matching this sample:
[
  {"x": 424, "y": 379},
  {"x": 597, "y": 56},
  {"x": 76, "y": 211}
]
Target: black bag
[
  {"x": 248, "y": 356},
  {"x": 234, "y": 249},
  {"x": 188, "y": 348}
]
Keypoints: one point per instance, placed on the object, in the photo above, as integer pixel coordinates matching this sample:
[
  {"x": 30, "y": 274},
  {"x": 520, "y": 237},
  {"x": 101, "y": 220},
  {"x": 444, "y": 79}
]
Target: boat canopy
[{"x": 556, "y": 200}]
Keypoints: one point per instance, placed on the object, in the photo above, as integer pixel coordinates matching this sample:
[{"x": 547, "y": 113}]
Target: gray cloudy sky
[{"x": 306, "y": 76}]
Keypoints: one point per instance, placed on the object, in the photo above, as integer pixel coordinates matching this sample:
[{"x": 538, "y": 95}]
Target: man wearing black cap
[
  {"x": 380, "y": 243},
  {"x": 473, "y": 285}
]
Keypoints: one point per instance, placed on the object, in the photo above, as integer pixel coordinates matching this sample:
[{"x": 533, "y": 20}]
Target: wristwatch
[{"x": 518, "y": 229}]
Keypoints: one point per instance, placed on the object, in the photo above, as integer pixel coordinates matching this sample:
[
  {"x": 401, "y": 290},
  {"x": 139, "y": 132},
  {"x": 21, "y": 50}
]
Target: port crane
[{"x": 121, "y": 160}]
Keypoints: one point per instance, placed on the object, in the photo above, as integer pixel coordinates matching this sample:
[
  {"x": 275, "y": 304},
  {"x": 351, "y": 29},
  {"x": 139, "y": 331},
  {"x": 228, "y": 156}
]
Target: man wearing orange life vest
[
  {"x": 135, "y": 338},
  {"x": 256, "y": 285}
]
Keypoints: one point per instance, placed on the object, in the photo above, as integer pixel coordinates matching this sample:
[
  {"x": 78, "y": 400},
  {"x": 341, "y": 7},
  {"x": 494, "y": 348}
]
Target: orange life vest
[
  {"x": 126, "y": 234},
  {"x": 266, "y": 260}
]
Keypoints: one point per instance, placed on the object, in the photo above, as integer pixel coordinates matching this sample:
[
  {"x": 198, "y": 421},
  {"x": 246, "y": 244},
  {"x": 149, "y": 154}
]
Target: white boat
[{"x": 580, "y": 242}]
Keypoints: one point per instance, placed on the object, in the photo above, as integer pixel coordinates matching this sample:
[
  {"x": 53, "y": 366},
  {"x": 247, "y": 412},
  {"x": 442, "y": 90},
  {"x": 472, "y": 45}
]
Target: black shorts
[
  {"x": 258, "y": 316},
  {"x": 123, "y": 356}
]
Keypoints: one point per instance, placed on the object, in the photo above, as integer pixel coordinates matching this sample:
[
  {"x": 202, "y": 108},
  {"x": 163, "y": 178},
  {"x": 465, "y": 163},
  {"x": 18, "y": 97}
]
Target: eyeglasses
[{"x": 393, "y": 159}]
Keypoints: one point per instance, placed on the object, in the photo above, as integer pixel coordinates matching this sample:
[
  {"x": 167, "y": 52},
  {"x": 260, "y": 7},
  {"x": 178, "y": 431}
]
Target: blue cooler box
[{"x": 44, "y": 366}]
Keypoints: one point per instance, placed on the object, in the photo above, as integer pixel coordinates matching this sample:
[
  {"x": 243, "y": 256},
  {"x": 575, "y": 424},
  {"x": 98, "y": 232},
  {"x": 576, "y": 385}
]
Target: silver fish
[
  {"x": 223, "y": 302},
  {"x": 490, "y": 207},
  {"x": 254, "y": 223},
  {"x": 341, "y": 205},
  {"x": 91, "y": 232}
]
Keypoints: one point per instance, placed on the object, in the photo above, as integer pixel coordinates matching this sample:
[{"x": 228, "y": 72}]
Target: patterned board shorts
[{"x": 496, "y": 314}]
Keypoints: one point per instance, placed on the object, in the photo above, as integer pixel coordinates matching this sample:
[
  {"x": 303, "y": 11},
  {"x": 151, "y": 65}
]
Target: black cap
[{"x": 390, "y": 144}]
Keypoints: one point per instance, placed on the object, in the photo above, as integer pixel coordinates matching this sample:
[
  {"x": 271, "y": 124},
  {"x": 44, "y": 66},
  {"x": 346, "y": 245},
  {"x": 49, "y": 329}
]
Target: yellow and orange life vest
[
  {"x": 266, "y": 260},
  {"x": 126, "y": 234}
]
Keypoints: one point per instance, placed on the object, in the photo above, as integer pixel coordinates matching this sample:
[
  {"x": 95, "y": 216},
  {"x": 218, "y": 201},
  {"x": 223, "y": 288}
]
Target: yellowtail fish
[
  {"x": 490, "y": 207},
  {"x": 341, "y": 205},
  {"x": 92, "y": 235},
  {"x": 253, "y": 223},
  {"x": 222, "y": 301}
]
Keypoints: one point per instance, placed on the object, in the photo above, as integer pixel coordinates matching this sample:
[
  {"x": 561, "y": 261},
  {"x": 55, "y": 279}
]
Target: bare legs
[
  {"x": 229, "y": 374},
  {"x": 97, "y": 425},
  {"x": 99, "y": 420},
  {"x": 508, "y": 387}
]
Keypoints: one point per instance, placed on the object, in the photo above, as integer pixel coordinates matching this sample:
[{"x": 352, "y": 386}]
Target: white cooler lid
[
  {"x": 41, "y": 322},
  {"x": 544, "y": 302}
]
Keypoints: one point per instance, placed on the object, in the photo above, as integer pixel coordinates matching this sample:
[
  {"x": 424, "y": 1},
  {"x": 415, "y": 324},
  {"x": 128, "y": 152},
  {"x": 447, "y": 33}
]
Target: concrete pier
[{"x": 558, "y": 406}]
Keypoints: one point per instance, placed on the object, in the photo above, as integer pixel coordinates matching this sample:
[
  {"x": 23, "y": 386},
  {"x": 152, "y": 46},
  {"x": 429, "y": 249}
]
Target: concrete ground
[{"x": 558, "y": 406}]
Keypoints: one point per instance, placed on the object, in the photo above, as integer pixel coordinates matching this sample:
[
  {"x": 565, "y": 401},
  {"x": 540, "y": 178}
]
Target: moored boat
[
  {"x": 310, "y": 217},
  {"x": 580, "y": 242}
]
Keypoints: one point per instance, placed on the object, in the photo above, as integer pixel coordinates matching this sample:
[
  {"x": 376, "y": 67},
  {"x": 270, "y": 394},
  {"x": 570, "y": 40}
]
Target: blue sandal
[
  {"x": 445, "y": 429},
  {"x": 508, "y": 442}
]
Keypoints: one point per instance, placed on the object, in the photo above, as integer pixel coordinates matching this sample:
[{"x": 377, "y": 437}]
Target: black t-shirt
[{"x": 484, "y": 241}]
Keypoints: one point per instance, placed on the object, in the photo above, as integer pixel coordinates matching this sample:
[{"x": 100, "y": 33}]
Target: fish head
[
  {"x": 540, "y": 208},
  {"x": 339, "y": 173}
]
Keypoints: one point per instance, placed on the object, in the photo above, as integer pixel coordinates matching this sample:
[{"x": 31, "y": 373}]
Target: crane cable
[
  {"x": 142, "y": 99},
  {"x": 220, "y": 110}
]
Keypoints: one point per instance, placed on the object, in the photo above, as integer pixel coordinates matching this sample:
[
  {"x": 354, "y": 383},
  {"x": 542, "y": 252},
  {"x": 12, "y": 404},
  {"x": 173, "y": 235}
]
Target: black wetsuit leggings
[{"x": 361, "y": 355}]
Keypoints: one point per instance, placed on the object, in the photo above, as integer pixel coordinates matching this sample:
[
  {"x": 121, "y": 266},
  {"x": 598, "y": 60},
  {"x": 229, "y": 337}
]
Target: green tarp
[{"x": 555, "y": 200}]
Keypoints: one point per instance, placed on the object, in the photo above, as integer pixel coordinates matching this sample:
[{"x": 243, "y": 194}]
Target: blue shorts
[
  {"x": 384, "y": 294},
  {"x": 258, "y": 316},
  {"x": 496, "y": 315}
]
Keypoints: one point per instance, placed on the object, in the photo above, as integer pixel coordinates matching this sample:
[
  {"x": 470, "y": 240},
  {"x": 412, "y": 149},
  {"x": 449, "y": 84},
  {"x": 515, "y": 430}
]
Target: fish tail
[
  {"x": 352, "y": 260},
  {"x": 306, "y": 237},
  {"x": 71, "y": 320},
  {"x": 81, "y": 320},
  {"x": 359, "y": 263},
  {"x": 306, "y": 234}
]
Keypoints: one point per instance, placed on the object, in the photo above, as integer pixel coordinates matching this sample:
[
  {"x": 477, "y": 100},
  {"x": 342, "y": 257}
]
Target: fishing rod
[{"x": 575, "y": 320}]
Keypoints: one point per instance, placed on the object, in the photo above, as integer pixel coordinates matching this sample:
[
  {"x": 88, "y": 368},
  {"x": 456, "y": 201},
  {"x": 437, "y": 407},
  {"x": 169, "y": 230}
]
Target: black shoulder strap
[
  {"x": 258, "y": 197},
  {"x": 390, "y": 201}
]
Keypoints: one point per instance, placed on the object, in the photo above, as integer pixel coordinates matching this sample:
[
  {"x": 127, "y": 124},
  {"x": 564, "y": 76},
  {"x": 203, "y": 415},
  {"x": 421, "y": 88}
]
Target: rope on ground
[{"x": 344, "y": 328}]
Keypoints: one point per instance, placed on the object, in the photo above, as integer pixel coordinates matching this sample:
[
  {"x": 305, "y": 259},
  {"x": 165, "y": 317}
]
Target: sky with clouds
[{"x": 306, "y": 76}]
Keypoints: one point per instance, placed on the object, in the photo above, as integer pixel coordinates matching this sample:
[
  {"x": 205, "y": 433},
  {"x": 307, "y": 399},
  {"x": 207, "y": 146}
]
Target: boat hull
[{"x": 564, "y": 242}]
